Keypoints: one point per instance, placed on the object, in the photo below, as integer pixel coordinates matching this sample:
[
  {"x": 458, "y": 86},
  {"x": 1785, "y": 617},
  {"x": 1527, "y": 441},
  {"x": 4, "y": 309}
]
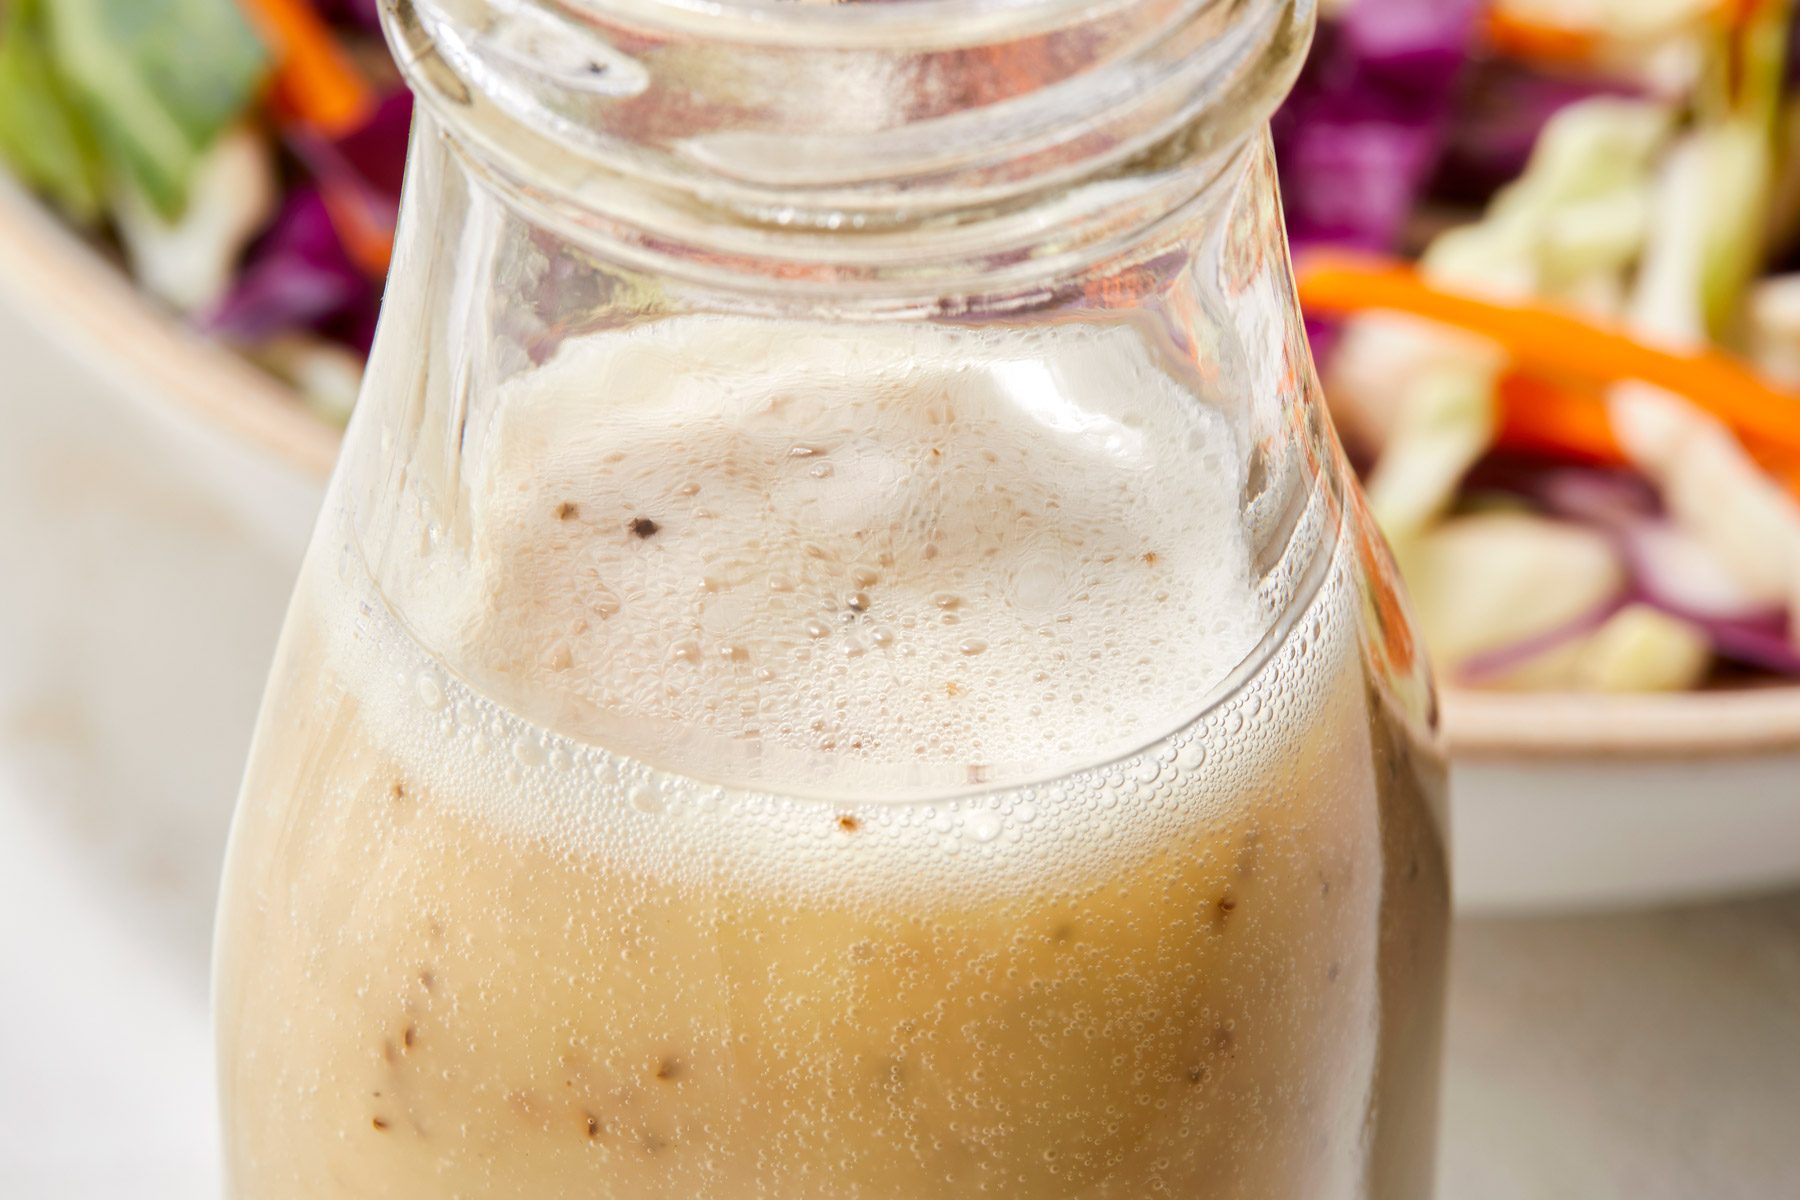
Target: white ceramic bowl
[
  {"x": 1558, "y": 801},
  {"x": 1566, "y": 801}
]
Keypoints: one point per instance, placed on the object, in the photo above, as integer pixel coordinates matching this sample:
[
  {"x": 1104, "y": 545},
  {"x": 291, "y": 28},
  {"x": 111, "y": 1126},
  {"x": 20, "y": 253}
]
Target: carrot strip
[
  {"x": 1553, "y": 420},
  {"x": 1549, "y": 342},
  {"x": 367, "y": 239},
  {"x": 1786, "y": 472},
  {"x": 314, "y": 79},
  {"x": 1519, "y": 36},
  {"x": 1539, "y": 417},
  {"x": 1735, "y": 13}
]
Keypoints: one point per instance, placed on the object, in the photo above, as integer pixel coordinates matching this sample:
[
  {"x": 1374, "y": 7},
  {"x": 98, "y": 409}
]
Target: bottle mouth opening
[{"x": 788, "y": 114}]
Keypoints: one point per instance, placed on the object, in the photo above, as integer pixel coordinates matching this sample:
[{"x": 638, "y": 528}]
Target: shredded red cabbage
[
  {"x": 1625, "y": 508},
  {"x": 1490, "y": 665},
  {"x": 372, "y": 157},
  {"x": 298, "y": 276},
  {"x": 364, "y": 14},
  {"x": 362, "y": 170},
  {"x": 1503, "y": 110},
  {"x": 1752, "y": 635},
  {"x": 1362, "y": 133},
  {"x": 1414, "y": 46}
]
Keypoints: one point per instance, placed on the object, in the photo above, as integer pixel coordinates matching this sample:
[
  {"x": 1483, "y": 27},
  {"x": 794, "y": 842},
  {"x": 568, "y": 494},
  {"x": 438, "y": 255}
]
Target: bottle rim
[{"x": 857, "y": 138}]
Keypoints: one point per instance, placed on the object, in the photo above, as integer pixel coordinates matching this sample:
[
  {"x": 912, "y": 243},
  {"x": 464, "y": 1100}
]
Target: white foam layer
[
  {"x": 1287, "y": 744},
  {"x": 854, "y": 558}
]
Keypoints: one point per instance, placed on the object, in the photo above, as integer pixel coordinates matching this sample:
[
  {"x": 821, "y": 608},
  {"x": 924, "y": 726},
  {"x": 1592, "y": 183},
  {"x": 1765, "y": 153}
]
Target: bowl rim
[
  {"x": 1670, "y": 727},
  {"x": 150, "y": 352},
  {"x": 96, "y": 312}
]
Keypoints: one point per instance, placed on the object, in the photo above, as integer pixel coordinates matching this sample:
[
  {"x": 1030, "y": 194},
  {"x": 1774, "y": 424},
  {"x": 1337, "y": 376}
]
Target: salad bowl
[{"x": 1555, "y": 248}]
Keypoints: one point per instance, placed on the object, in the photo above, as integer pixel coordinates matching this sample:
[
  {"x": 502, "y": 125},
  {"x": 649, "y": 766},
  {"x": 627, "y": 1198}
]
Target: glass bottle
[{"x": 842, "y": 657}]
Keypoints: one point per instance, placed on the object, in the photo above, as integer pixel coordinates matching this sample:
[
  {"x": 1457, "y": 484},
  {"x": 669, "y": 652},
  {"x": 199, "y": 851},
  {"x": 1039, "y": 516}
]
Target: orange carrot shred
[
  {"x": 1546, "y": 341},
  {"x": 1553, "y": 420},
  {"x": 1540, "y": 417},
  {"x": 315, "y": 80},
  {"x": 367, "y": 237},
  {"x": 1786, "y": 472},
  {"x": 1519, "y": 36},
  {"x": 1780, "y": 464}
]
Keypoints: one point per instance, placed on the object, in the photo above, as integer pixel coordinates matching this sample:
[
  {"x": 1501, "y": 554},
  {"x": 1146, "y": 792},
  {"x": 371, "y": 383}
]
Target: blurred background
[{"x": 1550, "y": 253}]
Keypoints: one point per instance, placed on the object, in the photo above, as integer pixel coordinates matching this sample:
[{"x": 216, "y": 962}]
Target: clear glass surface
[{"x": 842, "y": 658}]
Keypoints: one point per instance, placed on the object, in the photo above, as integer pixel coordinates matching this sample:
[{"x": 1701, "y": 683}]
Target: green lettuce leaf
[
  {"x": 157, "y": 80},
  {"x": 42, "y": 136}
]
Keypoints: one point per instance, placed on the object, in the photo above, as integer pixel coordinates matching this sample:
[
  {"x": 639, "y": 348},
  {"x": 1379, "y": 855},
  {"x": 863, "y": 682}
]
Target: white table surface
[{"x": 1642, "y": 1056}]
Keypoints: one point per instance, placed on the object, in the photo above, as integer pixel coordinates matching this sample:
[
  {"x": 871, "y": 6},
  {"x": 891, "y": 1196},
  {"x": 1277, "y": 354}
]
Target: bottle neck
[
  {"x": 483, "y": 294},
  {"x": 512, "y": 270},
  {"x": 884, "y": 152}
]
